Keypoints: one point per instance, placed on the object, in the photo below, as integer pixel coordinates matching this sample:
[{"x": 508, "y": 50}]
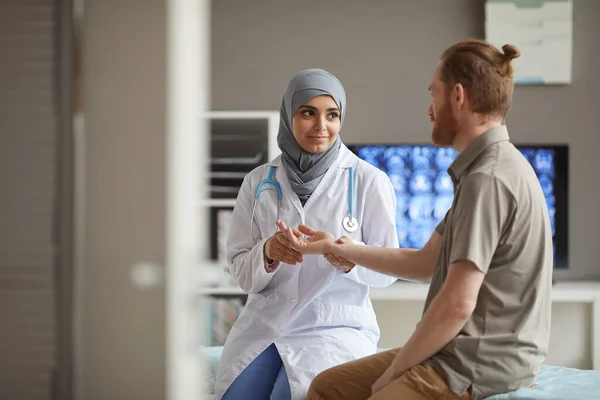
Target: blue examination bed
[{"x": 553, "y": 383}]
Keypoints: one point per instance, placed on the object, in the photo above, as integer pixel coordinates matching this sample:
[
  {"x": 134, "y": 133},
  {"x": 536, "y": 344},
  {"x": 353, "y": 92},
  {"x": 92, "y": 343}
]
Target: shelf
[
  {"x": 272, "y": 117},
  {"x": 240, "y": 114},
  {"x": 227, "y": 175},
  {"x": 220, "y": 290},
  {"x": 564, "y": 292},
  {"x": 218, "y": 203},
  {"x": 408, "y": 291}
]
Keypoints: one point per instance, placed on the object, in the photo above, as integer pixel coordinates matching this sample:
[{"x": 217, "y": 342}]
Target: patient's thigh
[
  {"x": 418, "y": 383},
  {"x": 351, "y": 380}
]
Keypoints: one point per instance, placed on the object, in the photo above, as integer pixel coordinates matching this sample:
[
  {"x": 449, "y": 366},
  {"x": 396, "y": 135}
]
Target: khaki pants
[{"x": 353, "y": 381}]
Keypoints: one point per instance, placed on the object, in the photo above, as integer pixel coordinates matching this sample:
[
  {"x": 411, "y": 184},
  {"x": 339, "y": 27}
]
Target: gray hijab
[{"x": 304, "y": 169}]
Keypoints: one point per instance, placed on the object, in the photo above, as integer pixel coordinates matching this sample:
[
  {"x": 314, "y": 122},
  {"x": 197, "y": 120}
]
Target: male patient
[{"x": 486, "y": 323}]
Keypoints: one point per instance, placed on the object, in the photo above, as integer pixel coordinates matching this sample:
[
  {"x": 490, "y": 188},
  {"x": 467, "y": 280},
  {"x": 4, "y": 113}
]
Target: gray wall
[
  {"x": 384, "y": 52},
  {"x": 124, "y": 77}
]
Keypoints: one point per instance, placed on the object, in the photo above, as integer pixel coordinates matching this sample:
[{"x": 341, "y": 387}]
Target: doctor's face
[{"x": 317, "y": 124}]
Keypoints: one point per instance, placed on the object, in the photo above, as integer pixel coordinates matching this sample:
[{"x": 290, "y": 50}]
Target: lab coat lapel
[{"x": 286, "y": 188}]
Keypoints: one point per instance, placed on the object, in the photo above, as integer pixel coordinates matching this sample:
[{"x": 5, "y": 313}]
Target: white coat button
[{"x": 292, "y": 300}]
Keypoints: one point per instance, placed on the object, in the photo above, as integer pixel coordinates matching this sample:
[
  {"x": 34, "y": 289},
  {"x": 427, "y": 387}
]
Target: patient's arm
[
  {"x": 410, "y": 264},
  {"x": 447, "y": 314}
]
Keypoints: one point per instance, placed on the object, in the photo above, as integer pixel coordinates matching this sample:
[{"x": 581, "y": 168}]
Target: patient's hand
[
  {"x": 317, "y": 242},
  {"x": 340, "y": 263}
]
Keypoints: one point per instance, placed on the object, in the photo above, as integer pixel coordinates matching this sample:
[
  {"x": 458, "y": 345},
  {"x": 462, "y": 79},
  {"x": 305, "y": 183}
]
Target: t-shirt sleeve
[{"x": 441, "y": 226}]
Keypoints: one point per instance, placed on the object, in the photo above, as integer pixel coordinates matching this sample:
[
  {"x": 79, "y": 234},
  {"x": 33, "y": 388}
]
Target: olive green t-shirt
[{"x": 499, "y": 221}]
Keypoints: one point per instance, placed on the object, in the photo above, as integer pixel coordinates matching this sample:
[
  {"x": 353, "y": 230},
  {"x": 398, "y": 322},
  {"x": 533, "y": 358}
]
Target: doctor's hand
[
  {"x": 340, "y": 263},
  {"x": 316, "y": 242},
  {"x": 279, "y": 248}
]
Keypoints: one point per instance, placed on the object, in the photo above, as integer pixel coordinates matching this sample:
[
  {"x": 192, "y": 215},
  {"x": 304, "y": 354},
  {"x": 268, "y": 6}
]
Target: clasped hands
[
  {"x": 316, "y": 242},
  {"x": 288, "y": 245}
]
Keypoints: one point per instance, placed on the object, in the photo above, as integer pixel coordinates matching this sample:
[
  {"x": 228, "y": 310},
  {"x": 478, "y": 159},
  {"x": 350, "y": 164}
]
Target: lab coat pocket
[
  {"x": 254, "y": 306},
  {"x": 256, "y": 302}
]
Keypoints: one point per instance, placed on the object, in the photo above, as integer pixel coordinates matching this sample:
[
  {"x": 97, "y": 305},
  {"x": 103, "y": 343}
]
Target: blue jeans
[{"x": 263, "y": 379}]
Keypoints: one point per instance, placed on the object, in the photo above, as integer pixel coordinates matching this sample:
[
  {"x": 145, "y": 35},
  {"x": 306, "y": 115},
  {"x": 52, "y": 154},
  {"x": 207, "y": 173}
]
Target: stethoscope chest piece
[{"x": 350, "y": 224}]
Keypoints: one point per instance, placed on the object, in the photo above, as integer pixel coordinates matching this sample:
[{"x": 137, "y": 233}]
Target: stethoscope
[{"x": 349, "y": 223}]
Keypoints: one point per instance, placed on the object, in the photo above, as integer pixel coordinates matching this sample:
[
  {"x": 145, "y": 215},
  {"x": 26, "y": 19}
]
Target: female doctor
[{"x": 303, "y": 315}]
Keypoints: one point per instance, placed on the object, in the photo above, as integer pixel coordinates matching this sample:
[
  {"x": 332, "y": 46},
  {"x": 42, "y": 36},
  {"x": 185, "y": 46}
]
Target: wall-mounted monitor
[{"x": 424, "y": 190}]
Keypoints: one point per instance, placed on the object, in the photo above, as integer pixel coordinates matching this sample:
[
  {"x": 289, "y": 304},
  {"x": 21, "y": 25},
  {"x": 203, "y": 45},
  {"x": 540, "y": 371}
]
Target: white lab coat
[{"x": 316, "y": 316}]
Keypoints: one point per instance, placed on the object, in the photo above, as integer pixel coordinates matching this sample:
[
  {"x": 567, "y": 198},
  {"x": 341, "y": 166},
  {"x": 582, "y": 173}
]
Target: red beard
[{"x": 444, "y": 128}]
